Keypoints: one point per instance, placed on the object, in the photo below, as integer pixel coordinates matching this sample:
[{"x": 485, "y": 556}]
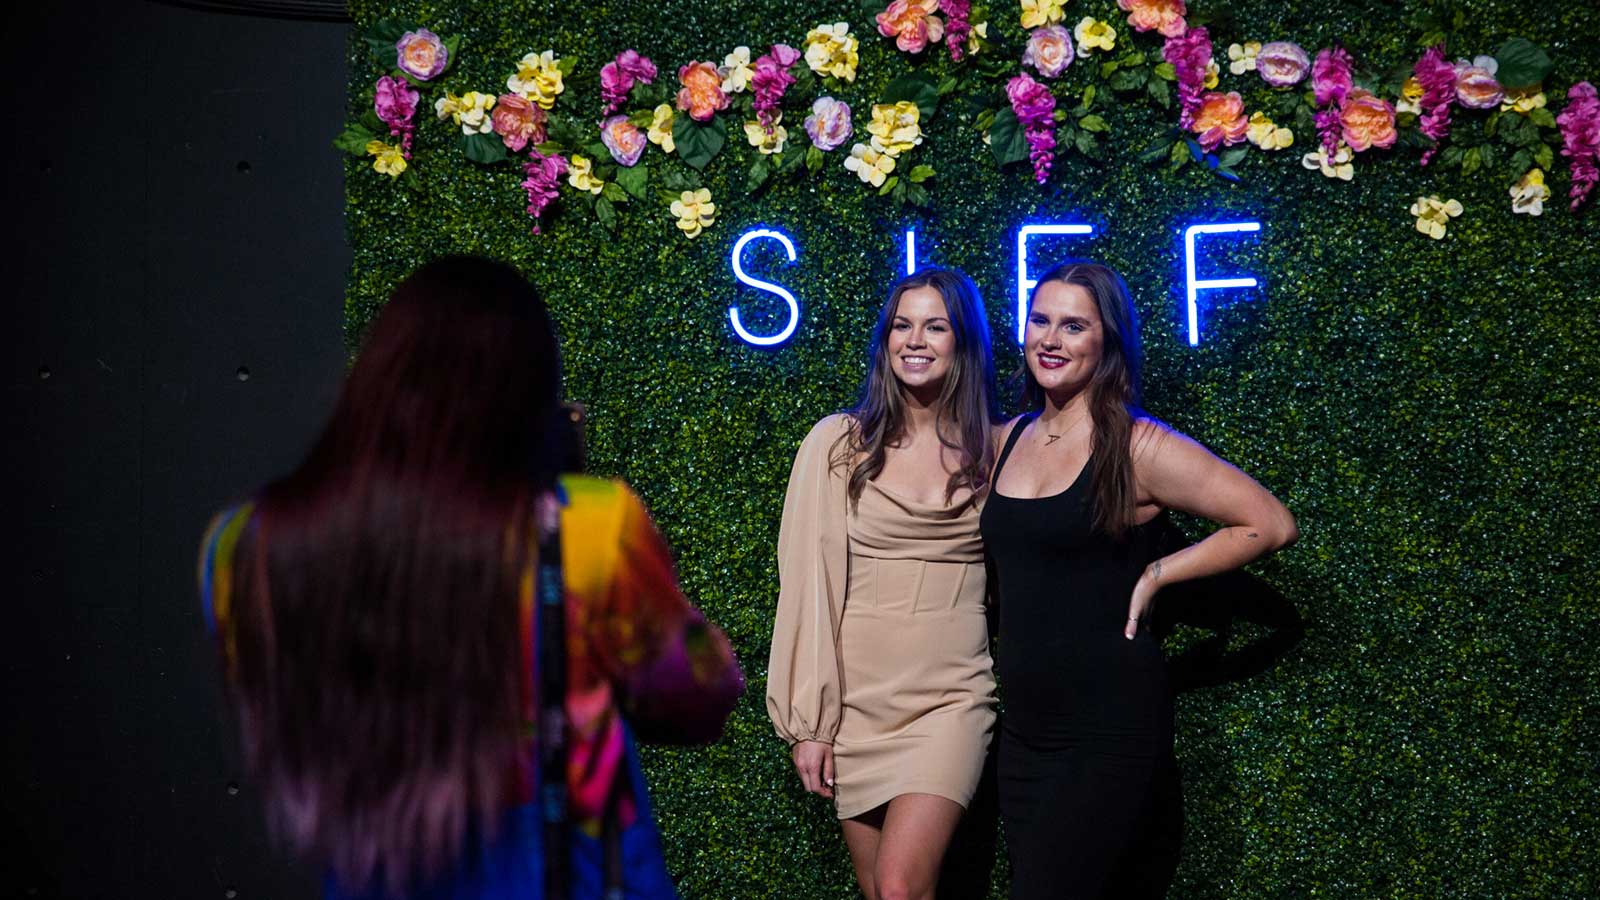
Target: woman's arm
[{"x": 1175, "y": 472}]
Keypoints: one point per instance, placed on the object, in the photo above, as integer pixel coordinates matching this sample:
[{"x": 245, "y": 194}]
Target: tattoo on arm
[
  {"x": 1155, "y": 571},
  {"x": 1252, "y": 535}
]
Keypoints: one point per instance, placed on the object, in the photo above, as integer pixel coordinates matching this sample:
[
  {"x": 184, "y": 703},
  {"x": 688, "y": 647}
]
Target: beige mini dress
[{"x": 880, "y": 645}]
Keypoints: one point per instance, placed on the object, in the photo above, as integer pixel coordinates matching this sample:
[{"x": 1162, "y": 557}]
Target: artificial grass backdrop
[{"x": 1428, "y": 410}]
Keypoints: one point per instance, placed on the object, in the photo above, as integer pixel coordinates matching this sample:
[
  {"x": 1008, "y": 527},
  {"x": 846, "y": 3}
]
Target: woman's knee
[{"x": 895, "y": 883}]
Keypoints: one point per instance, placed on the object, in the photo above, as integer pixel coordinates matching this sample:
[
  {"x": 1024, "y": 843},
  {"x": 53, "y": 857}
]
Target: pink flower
[
  {"x": 1165, "y": 16},
  {"x": 543, "y": 175},
  {"x": 1438, "y": 79},
  {"x": 1580, "y": 140},
  {"x": 1035, "y": 109},
  {"x": 769, "y": 80},
  {"x": 618, "y": 77},
  {"x": 828, "y": 126},
  {"x": 1190, "y": 55},
  {"x": 395, "y": 102},
  {"x": 1476, "y": 87},
  {"x": 1049, "y": 50},
  {"x": 1366, "y": 121},
  {"x": 1282, "y": 63},
  {"x": 623, "y": 139},
  {"x": 958, "y": 24},
  {"x": 912, "y": 24},
  {"x": 1330, "y": 76},
  {"x": 1220, "y": 120},
  {"x": 518, "y": 120},
  {"x": 421, "y": 54},
  {"x": 701, "y": 96}
]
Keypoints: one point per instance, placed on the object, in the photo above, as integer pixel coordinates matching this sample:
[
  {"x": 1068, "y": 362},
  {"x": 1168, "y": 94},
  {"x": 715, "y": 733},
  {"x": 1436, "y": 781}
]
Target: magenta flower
[
  {"x": 1035, "y": 109},
  {"x": 1330, "y": 76},
  {"x": 1190, "y": 55},
  {"x": 828, "y": 126},
  {"x": 957, "y": 25},
  {"x": 421, "y": 54},
  {"x": 1580, "y": 139},
  {"x": 543, "y": 175},
  {"x": 1282, "y": 63},
  {"x": 619, "y": 76},
  {"x": 1438, "y": 79},
  {"x": 770, "y": 79},
  {"x": 395, "y": 102}
]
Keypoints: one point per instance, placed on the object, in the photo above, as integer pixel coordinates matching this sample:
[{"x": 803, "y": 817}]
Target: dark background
[{"x": 176, "y": 267}]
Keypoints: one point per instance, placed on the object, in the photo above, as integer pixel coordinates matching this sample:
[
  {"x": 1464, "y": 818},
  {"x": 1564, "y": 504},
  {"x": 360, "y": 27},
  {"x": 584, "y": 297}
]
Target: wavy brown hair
[
  {"x": 378, "y": 668},
  {"x": 966, "y": 410},
  {"x": 1113, "y": 392}
]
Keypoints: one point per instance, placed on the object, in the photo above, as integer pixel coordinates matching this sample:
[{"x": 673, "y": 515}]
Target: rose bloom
[
  {"x": 518, "y": 121},
  {"x": 828, "y": 126},
  {"x": 701, "y": 96},
  {"x": 1165, "y": 16},
  {"x": 912, "y": 24},
  {"x": 1476, "y": 88},
  {"x": 1282, "y": 63},
  {"x": 1367, "y": 120},
  {"x": 1049, "y": 50},
  {"x": 1220, "y": 120},
  {"x": 421, "y": 54},
  {"x": 623, "y": 139}
]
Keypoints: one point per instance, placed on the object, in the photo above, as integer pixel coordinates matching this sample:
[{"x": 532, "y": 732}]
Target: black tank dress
[{"x": 1088, "y": 789}]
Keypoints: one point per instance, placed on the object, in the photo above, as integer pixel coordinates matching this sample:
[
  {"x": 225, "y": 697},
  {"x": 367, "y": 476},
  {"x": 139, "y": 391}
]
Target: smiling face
[
  {"x": 922, "y": 343},
  {"x": 1064, "y": 338}
]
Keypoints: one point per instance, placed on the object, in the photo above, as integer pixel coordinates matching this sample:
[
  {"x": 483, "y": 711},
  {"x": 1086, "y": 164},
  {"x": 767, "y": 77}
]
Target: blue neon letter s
[{"x": 758, "y": 284}]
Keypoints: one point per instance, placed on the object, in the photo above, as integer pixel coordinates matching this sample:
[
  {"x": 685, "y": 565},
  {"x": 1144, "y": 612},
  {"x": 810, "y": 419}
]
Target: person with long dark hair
[
  {"x": 388, "y": 614},
  {"x": 1071, "y": 530},
  {"x": 880, "y": 677}
]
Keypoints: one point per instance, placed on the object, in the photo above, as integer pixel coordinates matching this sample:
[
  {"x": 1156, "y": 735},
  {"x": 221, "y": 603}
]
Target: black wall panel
[{"x": 177, "y": 225}]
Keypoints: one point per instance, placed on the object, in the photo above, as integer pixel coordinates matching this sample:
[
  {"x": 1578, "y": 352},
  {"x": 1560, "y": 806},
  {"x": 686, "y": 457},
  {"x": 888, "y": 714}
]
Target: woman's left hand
[{"x": 1143, "y": 600}]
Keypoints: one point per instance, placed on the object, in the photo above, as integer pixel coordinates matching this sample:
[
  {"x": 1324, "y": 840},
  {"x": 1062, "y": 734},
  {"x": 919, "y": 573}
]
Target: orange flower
[
  {"x": 912, "y": 24},
  {"x": 702, "y": 96},
  {"x": 1220, "y": 120},
  {"x": 1368, "y": 121},
  {"x": 1165, "y": 16}
]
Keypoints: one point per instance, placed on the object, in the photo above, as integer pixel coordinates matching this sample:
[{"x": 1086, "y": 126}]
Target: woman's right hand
[{"x": 814, "y": 761}]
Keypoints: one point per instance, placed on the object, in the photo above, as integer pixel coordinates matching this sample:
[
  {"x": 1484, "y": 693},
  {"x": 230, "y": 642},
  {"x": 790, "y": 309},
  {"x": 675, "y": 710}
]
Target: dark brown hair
[
  {"x": 379, "y": 665},
  {"x": 966, "y": 401},
  {"x": 1113, "y": 392}
]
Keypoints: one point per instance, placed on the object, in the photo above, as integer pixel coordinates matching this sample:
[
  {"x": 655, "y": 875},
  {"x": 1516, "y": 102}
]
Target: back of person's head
[{"x": 378, "y": 656}]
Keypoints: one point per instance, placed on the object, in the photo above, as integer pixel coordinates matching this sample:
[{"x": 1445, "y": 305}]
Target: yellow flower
[
  {"x": 448, "y": 106},
  {"x": 538, "y": 78},
  {"x": 894, "y": 127},
  {"x": 1434, "y": 214},
  {"x": 1213, "y": 74},
  {"x": 1410, "y": 97},
  {"x": 1038, "y": 13},
  {"x": 660, "y": 131},
  {"x": 1529, "y": 194},
  {"x": 766, "y": 141},
  {"x": 1524, "y": 101},
  {"x": 1242, "y": 57},
  {"x": 832, "y": 50},
  {"x": 978, "y": 38},
  {"x": 391, "y": 162},
  {"x": 1093, "y": 34},
  {"x": 1339, "y": 167},
  {"x": 580, "y": 174},
  {"x": 1267, "y": 135},
  {"x": 735, "y": 71},
  {"x": 471, "y": 112},
  {"x": 869, "y": 165},
  {"x": 695, "y": 212}
]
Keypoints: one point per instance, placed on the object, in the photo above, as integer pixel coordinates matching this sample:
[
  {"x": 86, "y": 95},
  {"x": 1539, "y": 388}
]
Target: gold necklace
[{"x": 1052, "y": 438}]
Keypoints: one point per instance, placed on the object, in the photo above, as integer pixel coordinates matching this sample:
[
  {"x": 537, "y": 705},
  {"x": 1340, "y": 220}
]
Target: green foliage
[{"x": 1428, "y": 409}]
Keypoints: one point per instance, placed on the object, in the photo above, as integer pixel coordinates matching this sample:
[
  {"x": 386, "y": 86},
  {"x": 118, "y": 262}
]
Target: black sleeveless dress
[{"x": 1088, "y": 789}]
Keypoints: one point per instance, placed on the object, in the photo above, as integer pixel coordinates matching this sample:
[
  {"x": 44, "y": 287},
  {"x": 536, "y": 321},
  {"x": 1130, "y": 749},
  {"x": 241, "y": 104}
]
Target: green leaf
[
  {"x": 814, "y": 160},
  {"x": 792, "y": 158},
  {"x": 1166, "y": 72},
  {"x": 641, "y": 118},
  {"x": 1470, "y": 161},
  {"x": 371, "y": 122},
  {"x": 605, "y": 212},
  {"x": 1491, "y": 123},
  {"x": 485, "y": 149},
  {"x": 1093, "y": 123},
  {"x": 1130, "y": 59},
  {"x": 1060, "y": 115},
  {"x": 698, "y": 143},
  {"x": 635, "y": 180},
  {"x": 1487, "y": 156},
  {"x": 1231, "y": 158},
  {"x": 614, "y": 193},
  {"x": 1544, "y": 156},
  {"x": 1106, "y": 68},
  {"x": 597, "y": 150},
  {"x": 1179, "y": 155},
  {"x": 920, "y": 174},
  {"x": 677, "y": 182},
  {"x": 888, "y": 185},
  {"x": 354, "y": 139},
  {"x": 1193, "y": 146},
  {"x": 759, "y": 170},
  {"x": 985, "y": 120},
  {"x": 1159, "y": 92},
  {"x": 1007, "y": 141},
  {"x": 1542, "y": 117},
  {"x": 382, "y": 36},
  {"x": 452, "y": 49},
  {"x": 900, "y": 189},
  {"x": 1157, "y": 150},
  {"x": 1523, "y": 64},
  {"x": 549, "y": 148},
  {"x": 946, "y": 85},
  {"x": 918, "y": 89},
  {"x": 917, "y": 195},
  {"x": 1521, "y": 161},
  {"x": 1129, "y": 79},
  {"x": 1451, "y": 156},
  {"x": 1088, "y": 97},
  {"x": 1085, "y": 143},
  {"x": 567, "y": 65}
]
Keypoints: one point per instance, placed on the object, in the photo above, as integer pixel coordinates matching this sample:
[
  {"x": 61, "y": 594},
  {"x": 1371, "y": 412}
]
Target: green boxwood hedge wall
[{"x": 1430, "y": 410}]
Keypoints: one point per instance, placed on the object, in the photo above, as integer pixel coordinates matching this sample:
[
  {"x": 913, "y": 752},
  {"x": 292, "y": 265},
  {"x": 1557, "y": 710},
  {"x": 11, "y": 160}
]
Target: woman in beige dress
[{"x": 880, "y": 677}]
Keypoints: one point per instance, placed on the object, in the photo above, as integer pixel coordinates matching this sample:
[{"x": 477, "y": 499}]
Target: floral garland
[{"x": 1350, "y": 115}]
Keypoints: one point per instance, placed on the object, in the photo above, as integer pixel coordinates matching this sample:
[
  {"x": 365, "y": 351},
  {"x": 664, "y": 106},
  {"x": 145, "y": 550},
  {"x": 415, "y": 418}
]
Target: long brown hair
[
  {"x": 378, "y": 671},
  {"x": 1113, "y": 392},
  {"x": 966, "y": 409}
]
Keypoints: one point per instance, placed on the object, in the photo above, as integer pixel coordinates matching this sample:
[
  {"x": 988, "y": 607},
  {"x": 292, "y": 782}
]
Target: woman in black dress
[{"x": 1071, "y": 534}]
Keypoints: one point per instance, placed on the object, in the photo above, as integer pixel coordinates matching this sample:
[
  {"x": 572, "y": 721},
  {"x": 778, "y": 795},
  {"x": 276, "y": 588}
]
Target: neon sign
[
  {"x": 1193, "y": 286},
  {"x": 739, "y": 273}
]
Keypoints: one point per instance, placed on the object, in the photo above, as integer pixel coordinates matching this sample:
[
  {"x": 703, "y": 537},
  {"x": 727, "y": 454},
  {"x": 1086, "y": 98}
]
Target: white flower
[
  {"x": 1529, "y": 194},
  {"x": 1340, "y": 167},
  {"x": 735, "y": 71},
  {"x": 869, "y": 165},
  {"x": 472, "y": 113},
  {"x": 1242, "y": 57}
]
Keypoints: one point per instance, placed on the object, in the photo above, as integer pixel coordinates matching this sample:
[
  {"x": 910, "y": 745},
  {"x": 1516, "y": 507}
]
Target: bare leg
[
  {"x": 862, "y": 835},
  {"x": 916, "y": 831}
]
